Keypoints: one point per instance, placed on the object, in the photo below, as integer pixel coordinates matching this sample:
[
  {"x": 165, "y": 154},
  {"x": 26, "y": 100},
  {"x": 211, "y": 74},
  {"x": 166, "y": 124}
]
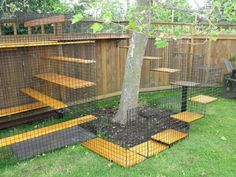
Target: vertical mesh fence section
[{"x": 48, "y": 86}]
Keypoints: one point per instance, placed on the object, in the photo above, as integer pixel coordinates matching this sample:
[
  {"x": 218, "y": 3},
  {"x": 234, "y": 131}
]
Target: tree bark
[{"x": 133, "y": 67}]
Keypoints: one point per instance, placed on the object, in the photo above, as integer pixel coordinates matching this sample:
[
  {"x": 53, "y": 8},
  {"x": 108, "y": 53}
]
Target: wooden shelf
[
  {"x": 124, "y": 47},
  {"x": 169, "y": 136},
  {"x": 46, "y": 20},
  {"x": 166, "y": 70},
  {"x": 185, "y": 83},
  {"x": 203, "y": 99},
  {"x": 70, "y": 59},
  {"x": 43, "y": 131},
  {"x": 20, "y": 109},
  {"x": 65, "y": 81},
  {"x": 39, "y": 44},
  {"x": 113, "y": 152},
  {"x": 187, "y": 116},
  {"x": 152, "y": 58},
  {"x": 44, "y": 98},
  {"x": 149, "y": 148}
]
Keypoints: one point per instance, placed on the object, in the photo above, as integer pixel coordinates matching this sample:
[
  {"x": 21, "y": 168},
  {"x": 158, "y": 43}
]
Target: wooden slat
[
  {"x": 149, "y": 148},
  {"x": 187, "y": 116},
  {"x": 65, "y": 81},
  {"x": 203, "y": 99},
  {"x": 113, "y": 152},
  {"x": 43, "y": 131},
  {"x": 165, "y": 70},
  {"x": 20, "y": 109},
  {"x": 42, "y": 43},
  {"x": 169, "y": 136},
  {"x": 124, "y": 47},
  {"x": 44, "y": 98},
  {"x": 70, "y": 59},
  {"x": 45, "y": 21},
  {"x": 152, "y": 58},
  {"x": 185, "y": 83}
]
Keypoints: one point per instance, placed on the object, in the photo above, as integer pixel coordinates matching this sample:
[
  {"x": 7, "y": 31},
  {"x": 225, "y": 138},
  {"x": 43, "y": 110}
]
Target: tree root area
[{"x": 143, "y": 122}]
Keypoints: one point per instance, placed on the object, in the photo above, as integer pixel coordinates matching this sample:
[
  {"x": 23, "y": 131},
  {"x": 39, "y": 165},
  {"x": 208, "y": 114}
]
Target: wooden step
[
  {"x": 43, "y": 131},
  {"x": 166, "y": 70},
  {"x": 44, "y": 98},
  {"x": 187, "y": 116},
  {"x": 169, "y": 136},
  {"x": 113, "y": 152},
  {"x": 185, "y": 83},
  {"x": 149, "y": 148},
  {"x": 70, "y": 59},
  {"x": 65, "y": 81},
  {"x": 20, "y": 109},
  {"x": 41, "y": 43},
  {"x": 124, "y": 47},
  {"x": 152, "y": 58},
  {"x": 203, "y": 99}
]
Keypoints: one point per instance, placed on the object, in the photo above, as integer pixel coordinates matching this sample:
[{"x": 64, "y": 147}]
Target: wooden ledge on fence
[
  {"x": 185, "y": 83},
  {"x": 149, "y": 148},
  {"x": 166, "y": 70},
  {"x": 203, "y": 99},
  {"x": 46, "y": 21},
  {"x": 65, "y": 81},
  {"x": 20, "y": 109},
  {"x": 152, "y": 58},
  {"x": 187, "y": 116},
  {"x": 43, "y": 131},
  {"x": 113, "y": 152},
  {"x": 70, "y": 59},
  {"x": 169, "y": 136},
  {"x": 41, "y": 43},
  {"x": 124, "y": 47},
  {"x": 44, "y": 98}
]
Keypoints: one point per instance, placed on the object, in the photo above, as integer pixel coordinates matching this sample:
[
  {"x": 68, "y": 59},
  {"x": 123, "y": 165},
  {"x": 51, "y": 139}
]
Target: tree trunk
[{"x": 133, "y": 67}]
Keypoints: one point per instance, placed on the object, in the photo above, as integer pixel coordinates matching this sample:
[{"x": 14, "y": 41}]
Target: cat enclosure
[{"x": 51, "y": 79}]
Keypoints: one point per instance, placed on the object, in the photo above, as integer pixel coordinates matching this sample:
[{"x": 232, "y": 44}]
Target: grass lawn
[{"x": 210, "y": 150}]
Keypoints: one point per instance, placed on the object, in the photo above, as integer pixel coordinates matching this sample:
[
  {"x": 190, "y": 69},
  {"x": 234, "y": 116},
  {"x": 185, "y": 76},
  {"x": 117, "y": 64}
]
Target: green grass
[{"x": 210, "y": 150}]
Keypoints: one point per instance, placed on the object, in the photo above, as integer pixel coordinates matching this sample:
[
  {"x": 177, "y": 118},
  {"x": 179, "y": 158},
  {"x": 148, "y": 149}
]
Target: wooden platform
[
  {"x": 149, "y": 148},
  {"x": 124, "y": 47},
  {"x": 46, "y": 20},
  {"x": 42, "y": 43},
  {"x": 44, "y": 98},
  {"x": 169, "y": 136},
  {"x": 20, "y": 109},
  {"x": 65, "y": 81},
  {"x": 187, "y": 116},
  {"x": 203, "y": 99},
  {"x": 113, "y": 152},
  {"x": 70, "y": 59},
  {"x": 152, "y": 58},
  {"x": 185, "y": 83},
  {"x": 43, "y": 131},
  {"x": 166, "y": 70}
]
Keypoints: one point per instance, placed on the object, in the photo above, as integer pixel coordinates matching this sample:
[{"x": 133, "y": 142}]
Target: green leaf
[
  {"x": 161, "y": 43},
  {"x": 77, "y": 18},
  {"x": 133, "y": 26},
  {"x": 97, "y": 27},
  {"x": 107, "y": 17}
]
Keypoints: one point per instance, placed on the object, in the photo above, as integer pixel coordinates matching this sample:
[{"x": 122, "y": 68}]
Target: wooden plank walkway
[
  {"x": 149, "y": 148},
  {"x": 113, "y": 152},
  {"x": 203, "y": 99},
  {"x": 187, "y": 116},
  {"x": 151, "y": 58},
  {"x": 185, "y": 83},
  {"x": 166, "y": 70},
  {"x": 169, "y": 136},
  {"x": 43, "y": 131},
  {"x": 20, "y": 109},
  {"x": 44, "y": 98},
  {"x": 70, "y": 59},
  {"x": 65, "y": 81}
]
